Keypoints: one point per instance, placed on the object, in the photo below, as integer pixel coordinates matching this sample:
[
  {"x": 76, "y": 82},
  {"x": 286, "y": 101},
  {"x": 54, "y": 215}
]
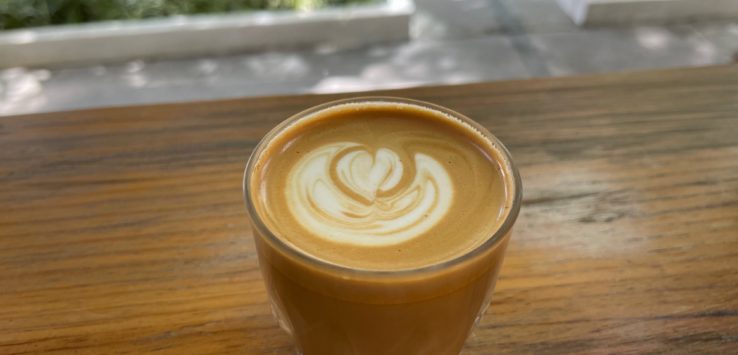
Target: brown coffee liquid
[{"x": 381, "y": 186}]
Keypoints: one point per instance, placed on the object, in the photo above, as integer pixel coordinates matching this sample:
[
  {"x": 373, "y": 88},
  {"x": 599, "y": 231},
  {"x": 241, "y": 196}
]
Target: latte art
[
  {"x": 379, "y": 186},
  {"x": 355, "y": 196}
]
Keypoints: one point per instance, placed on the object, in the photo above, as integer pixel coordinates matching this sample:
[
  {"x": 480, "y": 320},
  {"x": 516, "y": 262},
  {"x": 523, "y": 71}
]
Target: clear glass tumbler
[{"x": 330, "y": 309}]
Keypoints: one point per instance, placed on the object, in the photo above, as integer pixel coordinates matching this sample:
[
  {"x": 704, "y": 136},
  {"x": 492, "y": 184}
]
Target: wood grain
[{"x": 123, "y": 230}]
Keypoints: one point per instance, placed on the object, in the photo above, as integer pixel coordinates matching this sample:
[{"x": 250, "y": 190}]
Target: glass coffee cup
[{"x": 340, "y": 307}]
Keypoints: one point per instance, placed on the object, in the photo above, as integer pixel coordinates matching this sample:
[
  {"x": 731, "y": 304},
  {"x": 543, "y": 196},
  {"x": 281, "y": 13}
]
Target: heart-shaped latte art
[
  {"x": 367, "y": 175},
  {"x": 345, "y": 193}
]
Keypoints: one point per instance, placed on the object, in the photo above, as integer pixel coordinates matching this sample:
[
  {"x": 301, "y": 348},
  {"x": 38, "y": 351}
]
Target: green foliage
[{"x": 33, "y": 13}]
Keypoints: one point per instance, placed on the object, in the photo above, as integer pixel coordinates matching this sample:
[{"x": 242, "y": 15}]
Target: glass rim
[{"x": 507, "y": 165}]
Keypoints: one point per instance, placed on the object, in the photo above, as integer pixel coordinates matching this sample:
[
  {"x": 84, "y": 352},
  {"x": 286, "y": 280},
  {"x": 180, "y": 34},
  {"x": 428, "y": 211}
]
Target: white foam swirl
[{"x": 344, "y": 193}]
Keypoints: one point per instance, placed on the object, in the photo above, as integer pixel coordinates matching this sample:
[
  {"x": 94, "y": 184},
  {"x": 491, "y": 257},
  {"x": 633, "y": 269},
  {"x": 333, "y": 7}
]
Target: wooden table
[{"x": 123, "y": 230}]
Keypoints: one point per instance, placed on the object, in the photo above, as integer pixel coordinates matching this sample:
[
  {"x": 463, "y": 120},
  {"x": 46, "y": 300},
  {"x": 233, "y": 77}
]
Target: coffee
[
  {"x": 378, "y": 225},
  {"x": 381, "y": 186}
]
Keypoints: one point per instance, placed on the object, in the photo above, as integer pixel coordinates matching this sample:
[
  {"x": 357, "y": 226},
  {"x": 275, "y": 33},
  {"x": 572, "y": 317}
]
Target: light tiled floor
[
  {"x": 453, "y": 42},
  {"x": 386, "y": 66},
  {"x": 539, "y": 16},
  {"x": 620, "y": 50},
  {"x": 724, "y": 36},
  {"x": 447, "y": 20}
]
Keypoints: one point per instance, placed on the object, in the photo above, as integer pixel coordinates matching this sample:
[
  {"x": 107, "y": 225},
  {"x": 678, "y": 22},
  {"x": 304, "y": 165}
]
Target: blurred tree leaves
[{"x": 33, "y": 13}]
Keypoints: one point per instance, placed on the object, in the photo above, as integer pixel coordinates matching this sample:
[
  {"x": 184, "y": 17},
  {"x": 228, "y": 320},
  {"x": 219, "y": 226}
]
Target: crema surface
[{"x": 380, "y": 186}]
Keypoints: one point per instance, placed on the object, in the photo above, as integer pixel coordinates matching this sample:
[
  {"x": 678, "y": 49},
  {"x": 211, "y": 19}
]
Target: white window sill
[{"x": 205, "y": 34}]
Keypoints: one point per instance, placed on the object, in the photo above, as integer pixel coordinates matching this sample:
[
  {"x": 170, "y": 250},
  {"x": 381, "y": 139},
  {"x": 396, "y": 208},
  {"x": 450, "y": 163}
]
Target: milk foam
[{"x": 348, "y": 193}]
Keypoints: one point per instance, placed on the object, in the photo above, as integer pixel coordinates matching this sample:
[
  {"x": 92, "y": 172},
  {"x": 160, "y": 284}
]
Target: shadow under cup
[{"x": 331, "y": 309}]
